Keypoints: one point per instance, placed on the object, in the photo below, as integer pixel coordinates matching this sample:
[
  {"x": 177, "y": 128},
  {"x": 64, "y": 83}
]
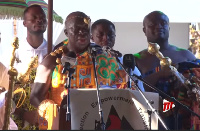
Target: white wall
[{"x": 131, "y": 39}]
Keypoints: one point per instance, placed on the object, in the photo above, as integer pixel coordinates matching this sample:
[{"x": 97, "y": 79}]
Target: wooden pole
[{"x": 50, "y": 26}]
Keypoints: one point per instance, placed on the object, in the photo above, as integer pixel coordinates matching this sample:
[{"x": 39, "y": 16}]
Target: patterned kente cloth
[
  {"x": 156, "y": 69},
  {"x": 25, "y": 105},
  {"x": 171, "y": 87},
  {"x": 189, "y": 69},
  {"x": 108, "y": 74}
]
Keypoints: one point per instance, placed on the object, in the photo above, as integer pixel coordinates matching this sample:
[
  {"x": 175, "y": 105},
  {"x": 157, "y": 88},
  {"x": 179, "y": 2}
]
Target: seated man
[
  {"x": 103, "y": 34},
  {"x": 156, "y": 28},
  {"x": 49, "y": 73}
]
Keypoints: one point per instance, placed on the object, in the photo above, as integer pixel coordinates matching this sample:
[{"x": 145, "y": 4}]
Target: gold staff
[
  {"x": 13, "y": 75},
  {"x": 153, "y": 48},
  {"x": 22, "y": 78}
]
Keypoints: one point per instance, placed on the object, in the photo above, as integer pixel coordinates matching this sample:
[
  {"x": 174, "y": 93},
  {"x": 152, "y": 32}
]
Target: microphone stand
[
  {"x": 149, "y": 111},
  {"x": 129, "y": 79},
  {"x": 152, "y": 109},
  {"x": 176, "y": 102},
  {"x": 67, "y": 86},
  {"x": 102, "y": 124}
]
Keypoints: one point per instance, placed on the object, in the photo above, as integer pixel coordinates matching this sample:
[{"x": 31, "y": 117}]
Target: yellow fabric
[
  {"x": 48, "y": 115},
  {"x": 53, "y": 115}
]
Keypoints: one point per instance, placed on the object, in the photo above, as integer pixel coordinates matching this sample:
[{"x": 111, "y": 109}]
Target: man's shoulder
[
  {"x": 178, "y": 54},
  {"x": 179, "y": 49},
  {"x": 60, "y": 44},
  {"x": 185, "y": 52},
  {"x": 142, "y": 54},
  {"x": 49, "y": 61}
]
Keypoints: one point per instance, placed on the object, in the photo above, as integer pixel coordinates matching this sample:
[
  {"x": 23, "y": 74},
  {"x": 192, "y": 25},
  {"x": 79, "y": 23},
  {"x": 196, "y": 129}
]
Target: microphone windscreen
[
  {"x": 129, "y": 61},
  {"x": 94, "y": 47},
  {"x": 111, "y": 51},
  {"x": 69, "y": 57}
]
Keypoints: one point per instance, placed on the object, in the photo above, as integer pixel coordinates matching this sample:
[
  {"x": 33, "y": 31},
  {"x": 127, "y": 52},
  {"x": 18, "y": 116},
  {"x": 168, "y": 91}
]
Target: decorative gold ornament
[
  {"x": 53, "y": 54},
  {"x": 24, "y": 104},
  {"x": 87, "y": 20},
  {"x": 13, "y": 74},
  {"x": 153, "y": 48},
  {"x": 23, "y": 93},
  {"x": 22, "y": 78},
  {"x": 15, "y": 45},
  {"x": 56, "y": 52},
  {"x": 59, "y": 51},
  {"x": 58, "y": 60},
  {"x": 24, "y": 88}
]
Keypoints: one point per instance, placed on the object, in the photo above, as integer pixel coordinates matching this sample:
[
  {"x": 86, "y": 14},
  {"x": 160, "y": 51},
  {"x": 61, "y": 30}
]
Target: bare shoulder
[
  {"x": 49, "y": 62},
  {"x": 141, "y": 55},
  {"x": 45, "y": 69},
  {"x": 186, "y": 54},
  {"x": 145, "y": 61},
  {"x": 46, "y": 66}
]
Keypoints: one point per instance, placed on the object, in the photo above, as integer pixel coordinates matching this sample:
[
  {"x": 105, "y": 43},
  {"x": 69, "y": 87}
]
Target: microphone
[
  {"x": 94, "y": 47},
  {"x": 68, "y": 60},
  {"x": 129, "y": 64},
  {"x": 111, "y": 51},
  {"x": 129, "y": 61}
]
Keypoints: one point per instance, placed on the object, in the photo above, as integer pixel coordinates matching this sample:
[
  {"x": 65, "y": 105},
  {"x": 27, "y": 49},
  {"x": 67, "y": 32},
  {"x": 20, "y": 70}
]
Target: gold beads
[
  {"x": 58, "y": 61},
  {"x": 53, "y": 54},
  {"x": 58, "y": 52}
]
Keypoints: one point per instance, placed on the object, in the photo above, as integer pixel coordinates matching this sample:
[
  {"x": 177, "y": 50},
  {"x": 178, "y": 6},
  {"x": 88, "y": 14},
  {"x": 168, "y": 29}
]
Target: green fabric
[
  {"x": 9, "y": 12},
  {"x": 56, "y": 18},
  {"x": 137, "y": 55},
  {"x": 41, "y": 1},
  {"x": 13, "y": 4},
  {"x": 44, "y": 5},
  {"x": 15, "y": 8}
]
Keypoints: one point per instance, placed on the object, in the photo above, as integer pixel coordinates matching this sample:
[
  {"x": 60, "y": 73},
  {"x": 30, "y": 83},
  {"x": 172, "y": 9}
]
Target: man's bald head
[
  {"x": 156, "y": 27},
  {"x": 77, "y": 14},
  {"x": 153, "y": 14},
  {"x": 77, "y": 29}
]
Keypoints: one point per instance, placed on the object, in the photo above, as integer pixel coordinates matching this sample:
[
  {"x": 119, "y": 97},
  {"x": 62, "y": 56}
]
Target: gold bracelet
[{"x": 57, "y": 52}]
